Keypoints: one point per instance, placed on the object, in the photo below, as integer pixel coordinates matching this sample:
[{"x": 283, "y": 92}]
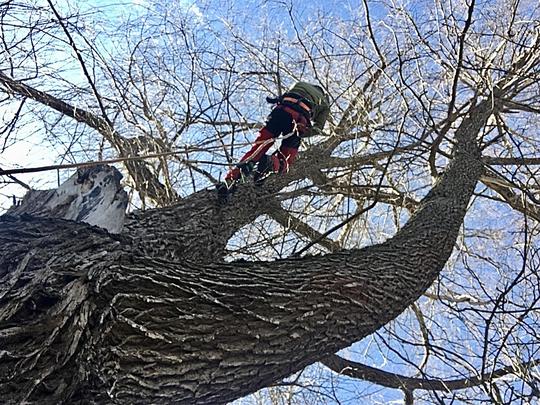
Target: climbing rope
[
  {"x": 9, "y": 172},
  {"x": 103, "y": 162}
]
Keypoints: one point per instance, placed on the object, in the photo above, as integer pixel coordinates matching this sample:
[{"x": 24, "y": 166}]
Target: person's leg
[
  {"x": 281, "y": 160},
  {"x": 263, "y": 142},
  {"x": 278, "y": 122},
  {"x": 287, "y": 152}
]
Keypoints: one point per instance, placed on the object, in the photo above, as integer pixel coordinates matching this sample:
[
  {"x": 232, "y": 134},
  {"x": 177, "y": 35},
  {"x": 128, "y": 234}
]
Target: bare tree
[{"x": 434, "y": 115}]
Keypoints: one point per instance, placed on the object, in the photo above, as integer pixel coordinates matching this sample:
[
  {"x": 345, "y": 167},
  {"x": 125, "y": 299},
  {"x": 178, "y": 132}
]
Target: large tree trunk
[{"x": 153, "y": 315}]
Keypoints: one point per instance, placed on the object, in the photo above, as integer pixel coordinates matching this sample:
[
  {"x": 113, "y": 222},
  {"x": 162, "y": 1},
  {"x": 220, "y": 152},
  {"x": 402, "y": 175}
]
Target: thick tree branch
[
  {"x": 518, "y": 202},
  {"x": 289, "y": 221},
  {"x": 391, "y": 380},
  {"x": 511, "y": 161},
  {"x": 13, "y": 86}
]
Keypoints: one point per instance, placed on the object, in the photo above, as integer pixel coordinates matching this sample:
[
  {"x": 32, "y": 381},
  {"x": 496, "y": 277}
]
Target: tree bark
[{"x": 153, "y": 315}]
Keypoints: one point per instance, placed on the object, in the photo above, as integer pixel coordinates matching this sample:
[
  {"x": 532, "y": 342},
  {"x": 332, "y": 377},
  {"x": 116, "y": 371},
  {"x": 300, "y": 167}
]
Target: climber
[{"x": 291, "y": 117}]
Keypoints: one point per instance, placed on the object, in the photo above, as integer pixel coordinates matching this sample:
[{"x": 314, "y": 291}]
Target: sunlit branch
[{"x": 392, "y": 380}]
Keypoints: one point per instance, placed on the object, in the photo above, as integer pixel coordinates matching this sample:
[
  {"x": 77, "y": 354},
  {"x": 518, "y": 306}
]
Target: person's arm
[{"x": 319, "y": 119}]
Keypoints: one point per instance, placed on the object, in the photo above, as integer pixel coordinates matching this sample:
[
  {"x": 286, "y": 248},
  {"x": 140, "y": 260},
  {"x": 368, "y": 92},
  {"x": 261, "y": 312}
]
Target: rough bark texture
[{"x": 153, "y": 316}]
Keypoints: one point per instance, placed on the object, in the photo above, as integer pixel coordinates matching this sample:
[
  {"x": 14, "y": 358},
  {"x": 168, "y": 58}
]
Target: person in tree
[{"x": 301, "y": 112}]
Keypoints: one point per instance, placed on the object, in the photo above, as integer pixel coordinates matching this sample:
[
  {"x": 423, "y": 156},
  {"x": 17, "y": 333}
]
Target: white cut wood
[{"x": 91, "y": 195}]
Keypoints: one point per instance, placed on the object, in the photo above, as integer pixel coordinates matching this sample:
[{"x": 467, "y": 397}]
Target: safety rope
[
  {"x": 9, "y": 172},
  {"x": 102, "y": 162}
]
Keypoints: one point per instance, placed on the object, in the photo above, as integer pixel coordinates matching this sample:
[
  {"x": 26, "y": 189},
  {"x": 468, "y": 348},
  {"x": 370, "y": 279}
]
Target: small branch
[
  {"x": 360, "y": 160},
  {"x": 372, "y": 37},
  {"x": 455, "y": 298},
  {"x": 457, "y": 72},
  {"x": 425, "y": 334},
  {"x": 437, "y": 142},
  {"x": 289, "y": 221},
  {"x": 82, "y": 63},
  {"x": 16, "y": 180},
  {"x": 335, "y": 228},
  {"x": 357, "y": 191}
]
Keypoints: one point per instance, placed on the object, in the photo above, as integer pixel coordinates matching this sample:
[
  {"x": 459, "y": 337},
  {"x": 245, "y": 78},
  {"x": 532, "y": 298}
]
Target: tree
[{"x": 156, "y": 313}]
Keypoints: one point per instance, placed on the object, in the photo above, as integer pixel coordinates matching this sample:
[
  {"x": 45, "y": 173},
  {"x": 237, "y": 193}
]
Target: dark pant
[{"x": 283, "y": 121}]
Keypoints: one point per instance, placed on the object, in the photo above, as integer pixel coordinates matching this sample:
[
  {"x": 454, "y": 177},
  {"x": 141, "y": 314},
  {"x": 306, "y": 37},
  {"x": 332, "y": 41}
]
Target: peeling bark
[{"x": 153, "y": 315}]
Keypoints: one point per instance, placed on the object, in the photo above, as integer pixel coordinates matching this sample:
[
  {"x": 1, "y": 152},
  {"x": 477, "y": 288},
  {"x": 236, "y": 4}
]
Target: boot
[
  {"x": 288, "y": 156},
  {"x": 224, "y": 189},
  {"x": 266, "y": 166}
]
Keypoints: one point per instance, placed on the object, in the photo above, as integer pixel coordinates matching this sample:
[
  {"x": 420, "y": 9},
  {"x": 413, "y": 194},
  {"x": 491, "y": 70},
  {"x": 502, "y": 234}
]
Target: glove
[
  {"x": 311, "y": 131},
  {"x": 273, "y": 100}
]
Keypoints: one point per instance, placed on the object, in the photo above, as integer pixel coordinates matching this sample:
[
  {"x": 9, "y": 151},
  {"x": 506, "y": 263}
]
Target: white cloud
[{"x": 191, "y": 7}]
